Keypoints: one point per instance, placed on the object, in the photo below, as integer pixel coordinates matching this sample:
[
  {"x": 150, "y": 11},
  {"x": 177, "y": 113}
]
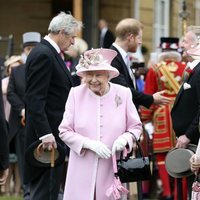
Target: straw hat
[
  {"x": 12, "y": 60},
  {"x": 177, "y": 161},
  {"x": 96, "y": 60}
]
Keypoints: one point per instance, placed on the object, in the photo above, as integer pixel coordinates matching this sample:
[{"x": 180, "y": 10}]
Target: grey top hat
[
  {"x": 31, "y": 38},
  {"x": 177, "y": 161}
]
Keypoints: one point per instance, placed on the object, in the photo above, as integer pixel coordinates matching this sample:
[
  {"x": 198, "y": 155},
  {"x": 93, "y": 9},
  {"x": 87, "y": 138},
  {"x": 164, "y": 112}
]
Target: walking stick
[
  {"x": 52, "y": 164},
  {"x": 52, "y": 173}
]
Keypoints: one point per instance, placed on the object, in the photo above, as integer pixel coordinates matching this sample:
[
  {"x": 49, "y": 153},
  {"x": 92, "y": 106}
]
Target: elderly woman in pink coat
[{"x": 100, "y": 119}]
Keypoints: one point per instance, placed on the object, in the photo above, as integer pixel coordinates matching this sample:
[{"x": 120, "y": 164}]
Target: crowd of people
[{"x": 67, "y": 112}]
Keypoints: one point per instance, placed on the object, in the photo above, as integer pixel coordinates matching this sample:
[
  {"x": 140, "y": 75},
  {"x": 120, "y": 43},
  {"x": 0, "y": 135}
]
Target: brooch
[{"x": 118, "y": 100}]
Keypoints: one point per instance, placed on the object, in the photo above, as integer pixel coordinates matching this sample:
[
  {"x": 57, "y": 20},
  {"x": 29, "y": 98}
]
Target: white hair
[{"x": 64, "y": 22}]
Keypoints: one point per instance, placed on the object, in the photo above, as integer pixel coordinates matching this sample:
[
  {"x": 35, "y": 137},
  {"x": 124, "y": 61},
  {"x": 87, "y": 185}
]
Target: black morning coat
[
  {"x": 4, "y": 148},
  {"x": 48, "y": 83},
  {"x": 186, "y": 109},
  {"x": 124, "y": 79}
]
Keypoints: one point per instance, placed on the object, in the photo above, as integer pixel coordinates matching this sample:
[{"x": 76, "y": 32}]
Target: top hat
[
  {"x": 31, "y": 38},
  {"x": 177, "y": 161},
  {"x": 169, "y": 43},
  {"x": 95, "y": 60},
  {"x": 36, "y": 156}
]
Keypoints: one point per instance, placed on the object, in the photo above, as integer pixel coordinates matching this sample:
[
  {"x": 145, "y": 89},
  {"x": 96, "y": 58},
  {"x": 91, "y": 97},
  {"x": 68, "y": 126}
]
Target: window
[{"x": 161, "y": 21}]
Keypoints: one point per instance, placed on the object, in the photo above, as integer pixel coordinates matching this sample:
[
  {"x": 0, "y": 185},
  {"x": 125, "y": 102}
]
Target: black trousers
[{"x": 47, "y": 186}]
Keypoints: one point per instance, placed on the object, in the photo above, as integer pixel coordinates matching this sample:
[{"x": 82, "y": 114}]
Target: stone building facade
[{"x": 160, "y": 17}]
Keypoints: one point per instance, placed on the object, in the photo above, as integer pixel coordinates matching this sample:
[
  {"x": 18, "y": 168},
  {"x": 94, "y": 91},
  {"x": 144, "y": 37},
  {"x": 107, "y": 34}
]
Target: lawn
[{"x": 10, "y": 198}]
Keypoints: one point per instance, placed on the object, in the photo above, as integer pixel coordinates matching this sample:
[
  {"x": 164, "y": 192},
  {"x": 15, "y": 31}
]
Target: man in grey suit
[
  {"x": 48, "y": 82},
  {"x": 15, "y": 96}
]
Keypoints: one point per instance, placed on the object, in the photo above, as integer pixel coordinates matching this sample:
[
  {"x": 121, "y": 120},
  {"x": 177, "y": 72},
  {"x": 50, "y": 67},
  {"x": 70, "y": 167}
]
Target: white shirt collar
[
  {"x": 193, "y": 64},
  {"x": 121, "y": 51},
  {"x": 52, "y": 43},
  {"x": 103, "y": 31}
]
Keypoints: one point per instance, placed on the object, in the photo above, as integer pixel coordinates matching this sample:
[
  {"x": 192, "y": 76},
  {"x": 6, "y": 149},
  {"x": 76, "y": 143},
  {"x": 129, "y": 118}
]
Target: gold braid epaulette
[
  {"x": 156, "y": 67},
  {"x": 167, "y": 71}
]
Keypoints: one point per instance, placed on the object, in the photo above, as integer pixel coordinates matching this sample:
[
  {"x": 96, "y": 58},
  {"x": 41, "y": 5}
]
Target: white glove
[
  {"x": 48, "y": 141},
  {"x": 98, "y": 147},
  {"x": 149, "y": 128},
  {"x": 121, "y": 142},
  {"x": 195, "y": 163}
]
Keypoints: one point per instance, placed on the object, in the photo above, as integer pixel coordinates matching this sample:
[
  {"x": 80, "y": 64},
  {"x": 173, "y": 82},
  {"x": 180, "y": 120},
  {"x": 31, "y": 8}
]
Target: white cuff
[{"x": 45, "y": 136}]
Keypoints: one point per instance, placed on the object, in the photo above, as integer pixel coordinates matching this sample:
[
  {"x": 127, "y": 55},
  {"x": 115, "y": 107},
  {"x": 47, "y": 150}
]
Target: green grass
[{"x": 10, "y": 198}]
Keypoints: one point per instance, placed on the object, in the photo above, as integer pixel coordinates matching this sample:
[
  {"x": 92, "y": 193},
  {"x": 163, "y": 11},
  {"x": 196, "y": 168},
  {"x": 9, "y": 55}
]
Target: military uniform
[{"x": 166, "y": 75}]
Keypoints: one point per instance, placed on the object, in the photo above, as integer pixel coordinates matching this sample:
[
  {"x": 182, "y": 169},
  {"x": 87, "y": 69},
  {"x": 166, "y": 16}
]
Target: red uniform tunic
[{"x": 166, "y": 75}]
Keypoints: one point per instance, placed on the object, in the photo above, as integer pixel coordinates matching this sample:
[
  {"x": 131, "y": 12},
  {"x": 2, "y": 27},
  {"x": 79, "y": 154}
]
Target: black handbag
[{"x": 131, "y": 169}]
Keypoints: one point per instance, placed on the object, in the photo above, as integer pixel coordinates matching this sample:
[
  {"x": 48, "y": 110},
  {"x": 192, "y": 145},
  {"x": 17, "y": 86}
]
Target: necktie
[
  {"x": 186, "y": 74},
  {"x": 62, "y": 55},
  {"x": 131, "y": 71},
  {"x": 101, "y": 39}
]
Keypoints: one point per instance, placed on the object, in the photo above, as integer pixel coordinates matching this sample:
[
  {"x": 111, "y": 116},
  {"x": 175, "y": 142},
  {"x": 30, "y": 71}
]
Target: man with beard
[{"x": 128, "y": 37}]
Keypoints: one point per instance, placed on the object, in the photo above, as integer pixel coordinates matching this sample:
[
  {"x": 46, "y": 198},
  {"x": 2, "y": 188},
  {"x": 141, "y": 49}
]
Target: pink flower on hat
[
  {"x": 96, "y": 60},
  {"x": 90, "y": 59}
]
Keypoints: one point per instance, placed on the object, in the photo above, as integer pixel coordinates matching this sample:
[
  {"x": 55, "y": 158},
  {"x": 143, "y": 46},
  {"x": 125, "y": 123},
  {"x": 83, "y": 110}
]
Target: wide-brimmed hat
[
  {"x": 36, "y": 156},
  {"x": 12, "y": 60},
  {"x": 177, "y": 161},
  {"x": 96, "y": 60},
  {"x": 31, "y": 38}
]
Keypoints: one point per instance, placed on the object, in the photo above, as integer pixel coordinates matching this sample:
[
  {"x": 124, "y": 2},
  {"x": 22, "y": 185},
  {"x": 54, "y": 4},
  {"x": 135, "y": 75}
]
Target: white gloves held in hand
[
  {"x": 195, "y": 163},
  {"x": 121, "y": 142},
  {"x": 98, "y": 147}
]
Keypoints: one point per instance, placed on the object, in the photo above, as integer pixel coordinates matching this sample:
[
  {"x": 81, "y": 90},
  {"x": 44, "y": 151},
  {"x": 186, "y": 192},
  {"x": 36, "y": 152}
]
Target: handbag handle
[
  {"x": 114, "y": 164},
  {"x": 141, "y": 154},
  {"x": 114, "y": 160}
]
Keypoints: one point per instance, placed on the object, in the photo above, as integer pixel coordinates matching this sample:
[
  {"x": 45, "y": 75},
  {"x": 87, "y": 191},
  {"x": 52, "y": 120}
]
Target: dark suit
[
  {"x": 107, "y": 40},
  {"x": 124, "y": 79},
  {"x": 15, "y": 96},
  {"x": 48, "y": 83},
  {"x": 4, "y": 150},
  {"x": 186, "y": 110}
]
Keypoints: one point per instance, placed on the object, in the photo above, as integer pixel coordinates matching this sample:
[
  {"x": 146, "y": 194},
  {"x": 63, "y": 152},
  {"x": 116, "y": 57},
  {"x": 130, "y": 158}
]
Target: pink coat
[{"x": 101, "y": 118}]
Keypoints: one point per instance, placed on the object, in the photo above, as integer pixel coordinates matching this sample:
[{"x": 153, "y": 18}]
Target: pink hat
[
  {"x": 195, "y": 52},
  {"x": 95, "y": 60}
]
